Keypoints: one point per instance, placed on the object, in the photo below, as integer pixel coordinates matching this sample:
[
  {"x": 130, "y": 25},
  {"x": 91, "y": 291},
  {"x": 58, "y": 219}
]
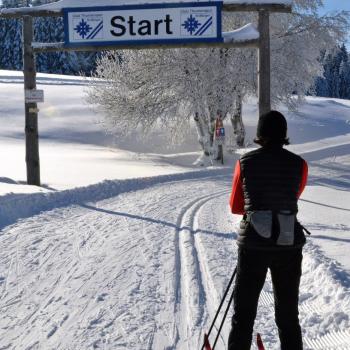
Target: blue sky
[{"x": 337, "y": 5}]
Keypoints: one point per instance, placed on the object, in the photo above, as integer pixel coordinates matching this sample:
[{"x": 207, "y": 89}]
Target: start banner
[{"x": 165, "y": 23}]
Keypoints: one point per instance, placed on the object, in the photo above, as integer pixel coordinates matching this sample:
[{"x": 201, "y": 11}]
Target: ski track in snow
[{"x": 145, "y": 270}]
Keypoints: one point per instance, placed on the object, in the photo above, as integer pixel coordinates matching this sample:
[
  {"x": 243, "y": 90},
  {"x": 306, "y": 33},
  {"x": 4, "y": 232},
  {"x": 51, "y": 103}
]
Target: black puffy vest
[{"x": 271, "y": 179}]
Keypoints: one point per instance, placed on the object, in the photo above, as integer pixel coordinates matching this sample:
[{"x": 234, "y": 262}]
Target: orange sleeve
[
  {"x": 304, "y": 176},
  {"x": 237, "y": 197}
]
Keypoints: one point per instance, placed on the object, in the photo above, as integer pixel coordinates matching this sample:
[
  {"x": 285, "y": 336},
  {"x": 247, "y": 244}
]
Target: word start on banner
[{"x": 143, "y": 27}]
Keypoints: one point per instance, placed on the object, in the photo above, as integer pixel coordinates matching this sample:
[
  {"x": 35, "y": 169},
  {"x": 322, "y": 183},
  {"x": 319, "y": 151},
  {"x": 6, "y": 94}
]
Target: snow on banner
[{"x": 143, "y": 24}]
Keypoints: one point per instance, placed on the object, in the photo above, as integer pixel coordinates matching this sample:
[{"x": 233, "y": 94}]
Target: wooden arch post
[
  {"x": 264, "y": 65},
  {"x": 31, "y": 109}
]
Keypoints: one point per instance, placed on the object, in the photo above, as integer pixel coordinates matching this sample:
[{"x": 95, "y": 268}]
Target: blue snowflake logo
[
  {"x": 83, "y": 28},
  {"x": 191, "y": 24}
]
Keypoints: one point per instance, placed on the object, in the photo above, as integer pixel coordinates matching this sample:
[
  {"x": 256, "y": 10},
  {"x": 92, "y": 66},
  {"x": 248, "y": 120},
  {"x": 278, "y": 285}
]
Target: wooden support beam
[
  {"x": 52, "y": 47},
  {"x": 244, "y": 7},
  {"x": 29, "y": 11},
  {"x": 264, "y": 65},
  {"x": 31, "y": 111}
]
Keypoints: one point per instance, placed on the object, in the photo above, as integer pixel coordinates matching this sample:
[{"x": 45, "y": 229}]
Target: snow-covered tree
[{"x": 172, "y": 86}]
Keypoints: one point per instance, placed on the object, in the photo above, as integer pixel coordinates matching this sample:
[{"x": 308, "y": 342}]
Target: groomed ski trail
[
  {"x": 192, "y": 288},
  {"x": 144, "y": 270}
]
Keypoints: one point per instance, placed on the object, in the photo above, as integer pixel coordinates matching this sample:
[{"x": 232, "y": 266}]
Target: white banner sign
[
  {"x": 33, "y": 96},
  {"x": 143, "y": 24}
]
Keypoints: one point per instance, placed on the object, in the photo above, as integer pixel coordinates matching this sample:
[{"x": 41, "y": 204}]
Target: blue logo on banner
[
  {"x": 193, "y": 26},
  {"x": 87, "y": 31},
  {"x": 82, "y": 28}
]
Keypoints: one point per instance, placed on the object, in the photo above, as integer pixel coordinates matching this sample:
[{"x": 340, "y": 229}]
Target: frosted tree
[
  {"x": 171, "y": 86},
  {"x": 143, "y": 88}
]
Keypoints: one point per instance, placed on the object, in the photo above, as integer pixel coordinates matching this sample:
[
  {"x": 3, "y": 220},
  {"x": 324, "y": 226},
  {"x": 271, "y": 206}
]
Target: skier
[
  {"x": 267, "y": 183},
  {"x": 219, "y": 136}
]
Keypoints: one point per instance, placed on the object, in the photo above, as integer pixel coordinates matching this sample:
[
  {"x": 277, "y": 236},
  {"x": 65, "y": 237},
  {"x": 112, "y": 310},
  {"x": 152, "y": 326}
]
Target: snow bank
[
  {"x": 10, "y": 77},
  {"x": 16, "y": 206},
  {"x": 329, "y": 147}
]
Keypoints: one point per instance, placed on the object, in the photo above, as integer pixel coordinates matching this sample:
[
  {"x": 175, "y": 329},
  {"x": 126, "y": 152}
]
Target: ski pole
[
  {"x": 259, "y": 342},
  {"x": 305, "y": 229},
  {"x": 223, "y": 319},
  {"x": 221, "y": 303}
]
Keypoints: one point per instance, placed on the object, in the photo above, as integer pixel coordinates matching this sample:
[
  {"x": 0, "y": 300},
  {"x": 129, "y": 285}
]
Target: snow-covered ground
[{"x": 129, "y": 246}]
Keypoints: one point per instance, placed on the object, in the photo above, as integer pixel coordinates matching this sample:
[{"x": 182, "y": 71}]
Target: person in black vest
[{"x": 267, "y": 183}]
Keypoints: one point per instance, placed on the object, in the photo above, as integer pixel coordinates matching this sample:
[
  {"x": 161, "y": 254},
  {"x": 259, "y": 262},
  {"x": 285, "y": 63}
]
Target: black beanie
[{"x": 272, "y": 126}]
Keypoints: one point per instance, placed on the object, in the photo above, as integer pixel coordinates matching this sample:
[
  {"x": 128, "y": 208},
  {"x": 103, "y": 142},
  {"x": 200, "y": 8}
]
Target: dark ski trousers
[{"x": 285, "y": 268}]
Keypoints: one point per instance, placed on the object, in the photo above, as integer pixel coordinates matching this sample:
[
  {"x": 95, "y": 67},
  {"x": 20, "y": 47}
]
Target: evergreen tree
[
  {"x": 344, "y": 76},
  {"x": 331, "y": 73},
  {"x": 46, "y": 29},
  {"x": 335, "y": 81},
  {"x": 10, "y": 44},
  {"x": 321, "y": 87}
]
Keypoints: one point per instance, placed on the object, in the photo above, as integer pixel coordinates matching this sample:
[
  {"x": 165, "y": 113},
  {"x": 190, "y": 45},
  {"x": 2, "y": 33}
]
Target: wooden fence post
[
  {"x": 264, "y": 63},
  {"x": 31, "y": 111}
]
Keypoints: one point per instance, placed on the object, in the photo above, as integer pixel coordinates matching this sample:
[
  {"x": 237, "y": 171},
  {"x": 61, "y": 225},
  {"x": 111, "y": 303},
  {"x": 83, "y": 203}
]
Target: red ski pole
[
  {"x": 259, "y": 342},
  {"x": 206, "y": 342}
]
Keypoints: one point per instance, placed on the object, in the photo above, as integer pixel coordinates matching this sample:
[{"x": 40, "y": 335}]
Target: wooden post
[
  {"x": 264, "y": 63},
  {"x": 31, "y": 111}
]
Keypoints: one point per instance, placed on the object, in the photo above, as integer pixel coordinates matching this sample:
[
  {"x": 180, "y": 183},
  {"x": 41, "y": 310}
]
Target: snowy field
[{"x": 129, "y": 246}]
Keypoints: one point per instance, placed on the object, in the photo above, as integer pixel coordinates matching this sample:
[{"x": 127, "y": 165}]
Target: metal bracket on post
[
  {"x": 31, "y": 110},
  {"x": 264, "y": 63}
]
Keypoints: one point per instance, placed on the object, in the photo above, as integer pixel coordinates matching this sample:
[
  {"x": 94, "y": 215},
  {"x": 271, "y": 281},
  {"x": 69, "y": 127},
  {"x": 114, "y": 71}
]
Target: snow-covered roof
[
  {"x": 91, "y": 3},
  {"x": 246, "y": 33},
  {"x": 59, "y": 5}
]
